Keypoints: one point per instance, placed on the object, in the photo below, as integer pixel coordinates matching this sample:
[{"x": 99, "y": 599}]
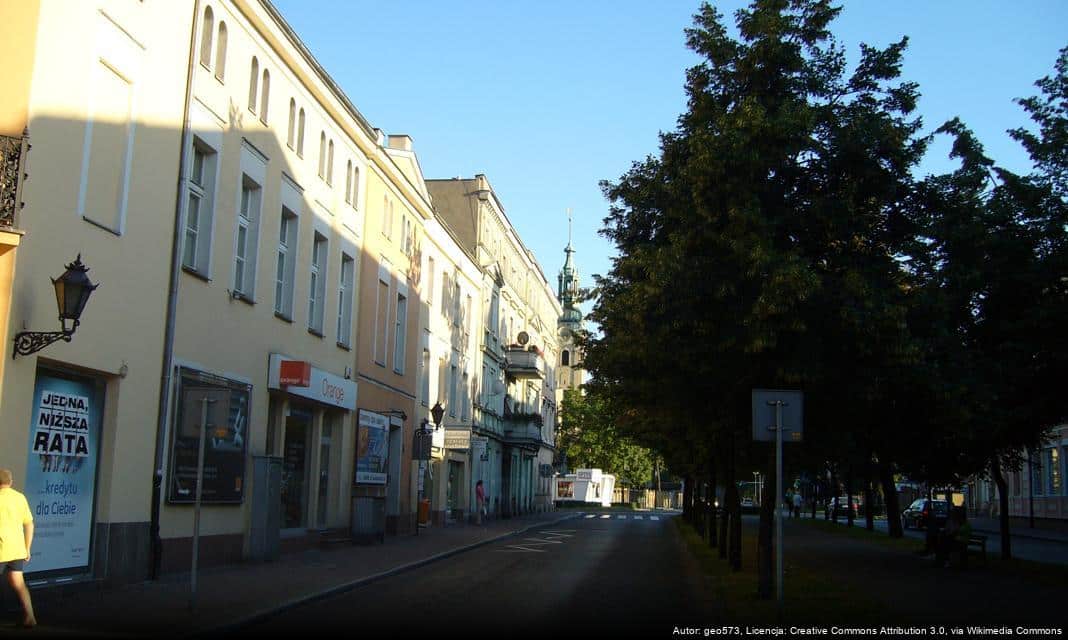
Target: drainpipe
[{"x": 156, "y": 555}]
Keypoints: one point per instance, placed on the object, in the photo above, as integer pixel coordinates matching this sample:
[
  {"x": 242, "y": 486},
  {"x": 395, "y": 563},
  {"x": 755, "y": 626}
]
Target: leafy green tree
[{"x": 590, "y": 440}]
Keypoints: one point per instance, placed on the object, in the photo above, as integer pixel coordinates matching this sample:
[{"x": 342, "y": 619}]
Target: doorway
[
  {"x": 323, "y": 503},
  {"x": 294, "y": 491},
  {"x": 454, "y": 490}
]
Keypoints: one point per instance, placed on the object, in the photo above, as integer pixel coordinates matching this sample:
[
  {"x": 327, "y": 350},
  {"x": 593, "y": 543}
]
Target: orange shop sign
[{"x": 294, "y": 373}]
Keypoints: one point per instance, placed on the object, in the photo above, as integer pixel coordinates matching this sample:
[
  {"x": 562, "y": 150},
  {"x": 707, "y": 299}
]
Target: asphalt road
[{"x": 596, "y": 574}]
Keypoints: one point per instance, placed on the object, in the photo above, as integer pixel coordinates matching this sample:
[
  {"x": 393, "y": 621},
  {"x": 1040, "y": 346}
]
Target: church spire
[{"x": 568, "y": 284}]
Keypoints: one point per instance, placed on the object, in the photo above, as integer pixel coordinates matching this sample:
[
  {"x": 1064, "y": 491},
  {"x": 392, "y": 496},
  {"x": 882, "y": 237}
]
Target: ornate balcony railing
[{"x": 12, "y": 167}]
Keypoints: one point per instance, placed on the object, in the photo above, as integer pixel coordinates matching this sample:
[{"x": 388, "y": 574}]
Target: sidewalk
[
  {"x": 230, "y": 596},
  {"x": 991, "y": 525}
]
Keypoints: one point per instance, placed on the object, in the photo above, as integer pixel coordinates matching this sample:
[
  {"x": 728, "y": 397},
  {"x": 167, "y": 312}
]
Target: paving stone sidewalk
[{"x": 232, "y": 595}]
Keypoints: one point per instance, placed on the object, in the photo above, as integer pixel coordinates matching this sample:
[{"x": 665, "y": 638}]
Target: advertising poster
[
  {"x": 225, "y": 441},
  {"x": 61, "y": 475},
  {"x": 372, "y": 448}
]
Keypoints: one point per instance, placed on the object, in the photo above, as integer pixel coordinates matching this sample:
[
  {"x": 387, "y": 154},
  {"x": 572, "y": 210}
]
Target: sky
[{"x": 549, "y": 98}]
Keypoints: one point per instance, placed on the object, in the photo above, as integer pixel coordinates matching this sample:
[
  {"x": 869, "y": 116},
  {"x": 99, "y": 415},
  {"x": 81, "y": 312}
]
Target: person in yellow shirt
[{"x": 16, "y": 538}]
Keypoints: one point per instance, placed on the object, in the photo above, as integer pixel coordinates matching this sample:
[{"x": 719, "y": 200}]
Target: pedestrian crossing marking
[
  {"x": 639, "y": 517},
  {"x": 522, "y": 548},
  {"x": 542, "y": 541},
  {"x": 654, "y": 517},
  {"x": 605, "y": 517},
  {"x": 592, "y": 515},
  {"x": 621, "y": 517}
]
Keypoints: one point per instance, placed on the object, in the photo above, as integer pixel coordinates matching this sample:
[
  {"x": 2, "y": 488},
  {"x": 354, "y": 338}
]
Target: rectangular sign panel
[
  {"x": 322, "y": 386},
  {"x": 457, "y": 438},
  {"x": 225, "y": 439},
  {"x": 61, "y": 477},
  {"x": 764, "y": 408},
  {"x": 372, "y": 448},
  {"x": 296, "y": 373}
]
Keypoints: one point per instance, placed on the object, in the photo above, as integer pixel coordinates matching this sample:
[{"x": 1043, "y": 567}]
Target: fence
[{"x": 647, "y": 498}]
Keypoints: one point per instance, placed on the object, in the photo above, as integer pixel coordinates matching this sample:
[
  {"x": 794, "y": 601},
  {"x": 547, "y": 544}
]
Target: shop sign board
[
  {"x": 61, "y": 475},
  {"x": 294, "y": 373},
  {"x": 372, "y": 448},
  {"x": 457, "y": 438},
  {"x": 322, "y": 386}
]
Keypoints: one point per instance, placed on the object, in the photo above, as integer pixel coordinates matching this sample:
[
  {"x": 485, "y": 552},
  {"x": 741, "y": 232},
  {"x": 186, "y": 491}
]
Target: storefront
[{"x": 310, "y": 426}]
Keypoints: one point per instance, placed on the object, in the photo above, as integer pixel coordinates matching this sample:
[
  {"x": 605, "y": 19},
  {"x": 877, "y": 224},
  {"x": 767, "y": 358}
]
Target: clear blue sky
[{"x": 548, "y": 98}]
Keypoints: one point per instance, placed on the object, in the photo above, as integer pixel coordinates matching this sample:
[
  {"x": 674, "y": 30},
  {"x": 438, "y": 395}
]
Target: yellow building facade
[{"x": 280, "y": 302}]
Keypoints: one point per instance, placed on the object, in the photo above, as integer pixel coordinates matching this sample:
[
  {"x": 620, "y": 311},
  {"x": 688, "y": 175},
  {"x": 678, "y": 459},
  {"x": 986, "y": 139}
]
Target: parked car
[
  {"x": 923, "y": 511},
  {"x": 747, "y": 502},
  {"x": 843, "y": 505}
]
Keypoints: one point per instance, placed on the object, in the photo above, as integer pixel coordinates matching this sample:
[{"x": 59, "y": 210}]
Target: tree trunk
[
  {"x": 687, "y": 499},
  {"x": 735, "y": 507},
  {"x": 765, "y": 552},
  {"x": 833, "y": 497},
  {"x": 931, "y": 529},
  {"x": 849, "y": 498},
  {"x": 1003, "y": 512},
  {"x": 869, "y": 512},
  {"x": 712, "y": 538},
  {"x": 893, "y": 510},
  {"x": 724, "y": 543}
]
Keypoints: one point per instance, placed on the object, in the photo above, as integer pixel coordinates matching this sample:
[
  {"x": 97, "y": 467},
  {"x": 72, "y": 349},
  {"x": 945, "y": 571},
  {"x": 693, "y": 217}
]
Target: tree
[{"x": 590, "y": 440}]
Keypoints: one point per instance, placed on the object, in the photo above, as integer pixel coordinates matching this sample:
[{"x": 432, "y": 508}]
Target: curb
[{"x": 358, "y": 582}]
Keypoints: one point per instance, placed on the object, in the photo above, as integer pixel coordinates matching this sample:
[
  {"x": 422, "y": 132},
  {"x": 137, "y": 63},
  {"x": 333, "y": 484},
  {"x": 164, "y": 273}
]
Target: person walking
[
  {"x": 480, "y": 496},
  {"x": 16, "y": 538},
  {"x": 797, "y": 504}
]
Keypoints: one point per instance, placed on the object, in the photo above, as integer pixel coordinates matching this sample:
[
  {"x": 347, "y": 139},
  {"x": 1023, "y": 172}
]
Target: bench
[{"x": 979, "y": 543}]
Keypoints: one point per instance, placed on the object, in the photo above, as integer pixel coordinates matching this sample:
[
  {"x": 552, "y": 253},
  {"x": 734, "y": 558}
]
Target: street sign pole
[
  {"x": 196, "y": 503},
  {"x": 778, "y": 501}
]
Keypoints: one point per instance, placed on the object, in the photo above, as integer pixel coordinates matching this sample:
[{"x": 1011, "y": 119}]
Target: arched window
[
  {"x": 565, "y": 358},
  {"x": 220, "y": 53},
  {"x": 322, "y": 153},
  {"x": 205, "y": 37},
  {"x": 266, "y": 96},
  {"x": 355, "y": 187},
  {"x": 253, "y": 84},
  {"x": 330, "y": 164},
  {"x": 292, "y": 122},
  {"x": 348, "y": 183},
  {"x": 300, "y": 133}
]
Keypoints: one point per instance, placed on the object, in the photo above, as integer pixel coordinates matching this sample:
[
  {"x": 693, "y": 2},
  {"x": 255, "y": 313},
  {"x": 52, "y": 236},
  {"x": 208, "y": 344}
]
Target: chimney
[{"x": 400, "y": 142}]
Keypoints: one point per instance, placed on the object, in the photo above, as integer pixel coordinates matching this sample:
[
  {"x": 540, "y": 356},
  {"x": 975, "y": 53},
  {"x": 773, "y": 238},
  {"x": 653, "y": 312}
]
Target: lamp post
[
  {"x": 73, "y": 289},
  {"x": 423, "y": 450}
]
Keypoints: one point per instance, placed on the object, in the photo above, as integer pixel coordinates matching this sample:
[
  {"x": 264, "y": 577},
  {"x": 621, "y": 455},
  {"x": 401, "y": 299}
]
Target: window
[
  {"x": 248, "y": 214},
  {"x": 429, "y": 289},
  {"x": 387, "y": 218},
  {"x": 300, "y": 133},
  {"x": 409, "y": 239},
  {"x": 1035, "y": 462},
  {"x": 456, "y": 304},
  {"x": 265, "y": 96},
  {"x": 344, "y": 300},
  {"x": 446, "y": 287},
  {"x": 565, "y": 358},
  {"x": 381, "y": 318},
  {"x": 424, "y": 376},
  {"x": 318, "y": 281},
  {"x": 348, "y": 183},
  {"x": 464, "y": 407},
  {"x": 283, "y": 279},
  {"x": 197, "y": 241},
  {"x": 205, "y": 37},
  {"x": 220, "y": 54},
  {"x": 400, "y": 332},
  {"x": 330, "y": 164},
  {"x": 322, "y": 153},
  {"x": 253, "y": 84},
  {"x": 1053, "y": 463},
  {"x": 292, "y": 122},
  {"x": 452, "y": 391},
  {"x": 355, "y": 187}
]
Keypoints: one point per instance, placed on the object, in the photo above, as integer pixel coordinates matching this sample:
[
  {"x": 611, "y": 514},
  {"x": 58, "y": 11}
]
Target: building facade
[
  {"x": 1037, "y": 489},
  {"x": 282, "y": 300},
  {"x": 517, "y": 407}
]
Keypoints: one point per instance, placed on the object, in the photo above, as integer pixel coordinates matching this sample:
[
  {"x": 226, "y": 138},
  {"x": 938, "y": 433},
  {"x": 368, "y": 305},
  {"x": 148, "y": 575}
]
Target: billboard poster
[
  {"x": 225, "y": 441},
  {"x": 61, "y": 476},
  {"x": 372, "y": 448}
]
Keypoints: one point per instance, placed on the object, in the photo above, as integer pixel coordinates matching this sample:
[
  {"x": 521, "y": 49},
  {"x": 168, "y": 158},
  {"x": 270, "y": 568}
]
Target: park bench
[{"x": 978, "y": 542}]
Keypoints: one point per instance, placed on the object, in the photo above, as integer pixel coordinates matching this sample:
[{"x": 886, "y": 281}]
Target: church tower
[{"x": 568, "y": 370}]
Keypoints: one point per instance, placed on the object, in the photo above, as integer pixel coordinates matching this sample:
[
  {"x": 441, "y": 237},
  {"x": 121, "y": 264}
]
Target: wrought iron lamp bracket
[{"x": 27, "y": 342}]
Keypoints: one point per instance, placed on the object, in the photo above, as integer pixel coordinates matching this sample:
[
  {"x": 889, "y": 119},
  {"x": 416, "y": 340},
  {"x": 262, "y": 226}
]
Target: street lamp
[
  {"x": 73, "y": 289},
  {"x": 422, "y": 451}
]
